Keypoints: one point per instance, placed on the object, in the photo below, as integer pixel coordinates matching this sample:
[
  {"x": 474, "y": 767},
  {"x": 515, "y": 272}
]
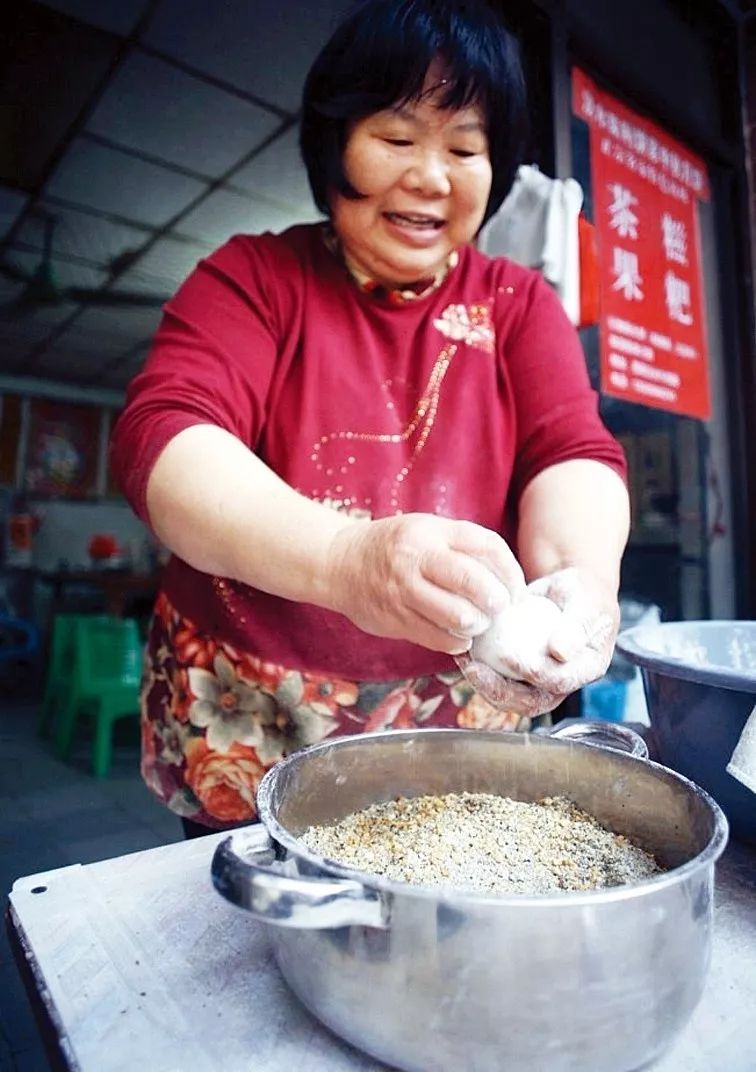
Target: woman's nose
[{"x": 429, "y": 174}]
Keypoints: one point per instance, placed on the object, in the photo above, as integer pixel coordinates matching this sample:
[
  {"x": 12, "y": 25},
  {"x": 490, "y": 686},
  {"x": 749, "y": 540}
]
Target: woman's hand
[
  {"x": 582, "y": 642},
  {"x": 422, "y": 578},
  {"x": 504, "y": 693},
  {"x": 578, "y": 650}
]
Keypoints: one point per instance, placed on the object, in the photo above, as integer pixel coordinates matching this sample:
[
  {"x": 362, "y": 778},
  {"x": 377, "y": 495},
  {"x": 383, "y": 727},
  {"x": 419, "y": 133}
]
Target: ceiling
[{"x": 148, "y": 131}]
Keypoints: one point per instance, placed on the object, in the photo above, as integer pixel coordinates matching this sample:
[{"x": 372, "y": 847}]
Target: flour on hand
[{"x": 516, "y": 643}]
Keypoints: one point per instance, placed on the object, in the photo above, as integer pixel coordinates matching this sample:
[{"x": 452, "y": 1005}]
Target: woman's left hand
[{"x": 579, "y": 647}]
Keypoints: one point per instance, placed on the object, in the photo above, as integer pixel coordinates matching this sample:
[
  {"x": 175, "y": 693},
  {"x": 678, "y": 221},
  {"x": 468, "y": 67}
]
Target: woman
[{"x": 361, "y": 439}]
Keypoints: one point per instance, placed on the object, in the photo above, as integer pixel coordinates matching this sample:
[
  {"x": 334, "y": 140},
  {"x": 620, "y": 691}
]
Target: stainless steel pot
[{"x": 431, "y": 980}]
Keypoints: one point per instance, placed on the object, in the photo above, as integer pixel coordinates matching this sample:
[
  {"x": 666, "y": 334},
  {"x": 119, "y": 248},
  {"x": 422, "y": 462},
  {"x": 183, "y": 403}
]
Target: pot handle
[
  {"x": 244, "y": 871},
  {"x": 599, "y": 734}
]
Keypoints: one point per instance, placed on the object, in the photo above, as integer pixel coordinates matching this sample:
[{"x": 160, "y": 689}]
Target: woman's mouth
[{"x": 415, "y": 221}]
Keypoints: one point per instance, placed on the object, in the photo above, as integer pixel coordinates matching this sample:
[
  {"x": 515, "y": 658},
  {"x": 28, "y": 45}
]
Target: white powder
[
  {"x": 742, "y": 652},
  {"x": 738, "y": 652}
]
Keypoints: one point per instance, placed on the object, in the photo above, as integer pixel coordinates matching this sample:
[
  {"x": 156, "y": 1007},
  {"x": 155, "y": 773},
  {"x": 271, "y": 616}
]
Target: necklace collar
[{"x": 397, "y": 295}]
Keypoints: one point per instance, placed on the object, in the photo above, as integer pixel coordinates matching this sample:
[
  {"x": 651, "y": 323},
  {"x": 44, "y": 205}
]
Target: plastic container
[
  {"x": 700, "y": 685},
  {"x": 604, "y": 699}
]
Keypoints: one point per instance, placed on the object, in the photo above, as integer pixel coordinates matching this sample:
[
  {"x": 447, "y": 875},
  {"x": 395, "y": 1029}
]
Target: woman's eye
[
  {"x": 463, "y": 153},
  {"x": 398, "y": 141}
]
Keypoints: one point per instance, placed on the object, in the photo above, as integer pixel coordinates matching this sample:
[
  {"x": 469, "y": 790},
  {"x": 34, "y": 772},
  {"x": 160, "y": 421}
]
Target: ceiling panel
[
  {"x": 115, "y": 379},
  {"x": 51, "y": 68},
  {"x": 111, "y": 181},
  {"x": 119, "y": 18},
  {"x": 119, "y": 373},
  {"x": 9, "y": 290},
  {"x": 12, "y": 355},
  {"x": 152, "y": 106},
  {"x": 278, "y": 172},
  {"x": 66, "y": 273},
  {"x": 70, "y": 364},
  {"x": 48, "y": 313},
  {"x": 11, "y": 204},
  {"x": 75, "y": 358},
  {"x": 133, "y": 361},
  {"x": 33, "y": 325},
  {"x": 82, "y": 349},
  {"x": 77, "y": 234},
  {"x": 21, "y": 334},
  {"x": 125, "y": 326},
  {"x": 85, "y": 366},
  {"x": 166, "y": 265},
  {"x": 262, "y": 47},
  {"x": 10, "y": 350},
  {"x": 225, "y": 213}
]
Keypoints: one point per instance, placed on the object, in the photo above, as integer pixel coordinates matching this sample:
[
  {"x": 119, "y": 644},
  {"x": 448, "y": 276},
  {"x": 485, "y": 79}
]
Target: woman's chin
[{"x": 402, "y": 271}]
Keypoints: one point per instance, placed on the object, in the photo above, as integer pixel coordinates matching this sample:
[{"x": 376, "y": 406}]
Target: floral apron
[{"x": 215, "y": 719}]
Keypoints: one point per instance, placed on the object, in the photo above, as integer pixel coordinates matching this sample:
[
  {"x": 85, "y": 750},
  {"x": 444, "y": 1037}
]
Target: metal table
[{"x": 137, "y": 963}]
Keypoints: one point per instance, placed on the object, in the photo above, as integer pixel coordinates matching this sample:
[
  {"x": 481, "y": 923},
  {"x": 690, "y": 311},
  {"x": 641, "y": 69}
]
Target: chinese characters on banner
[{"x": 645, "y": 191}]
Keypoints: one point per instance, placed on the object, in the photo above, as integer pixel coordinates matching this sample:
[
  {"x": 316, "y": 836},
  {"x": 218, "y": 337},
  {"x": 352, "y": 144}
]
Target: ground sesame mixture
[{"x": 478, "y": 841}]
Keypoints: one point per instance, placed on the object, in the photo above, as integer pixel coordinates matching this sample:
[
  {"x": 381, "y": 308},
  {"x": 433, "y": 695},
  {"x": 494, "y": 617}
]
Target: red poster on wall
[
  {"x": 646, "y": 186},
  {"x": 62, "y": 449}
]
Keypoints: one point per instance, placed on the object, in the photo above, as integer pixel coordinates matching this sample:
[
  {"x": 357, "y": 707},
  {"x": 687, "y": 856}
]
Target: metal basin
[
  {"x": 700, "y": 684},
  {"x": 431, "y": 980}
]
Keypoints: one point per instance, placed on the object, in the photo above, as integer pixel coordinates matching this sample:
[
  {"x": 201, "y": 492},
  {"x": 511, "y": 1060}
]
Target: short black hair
[{"x": 378, "y": 58}]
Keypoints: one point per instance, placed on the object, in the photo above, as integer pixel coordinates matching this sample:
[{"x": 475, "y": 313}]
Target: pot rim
[
  {"x": 647, "y": 887},
  {"x": 633, "y": 644}
]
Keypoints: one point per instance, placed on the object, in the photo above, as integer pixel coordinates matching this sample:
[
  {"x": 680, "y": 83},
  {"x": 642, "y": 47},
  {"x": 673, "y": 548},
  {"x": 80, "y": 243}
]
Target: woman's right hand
[{"x": 418, "y": 577}]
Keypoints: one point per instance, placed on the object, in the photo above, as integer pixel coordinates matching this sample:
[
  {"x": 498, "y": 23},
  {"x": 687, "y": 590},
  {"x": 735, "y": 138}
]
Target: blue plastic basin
[{"x": 700, "y": 685}]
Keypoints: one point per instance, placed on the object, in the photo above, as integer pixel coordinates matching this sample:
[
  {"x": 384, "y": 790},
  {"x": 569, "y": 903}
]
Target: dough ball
[{"x": 518, "y": 636}]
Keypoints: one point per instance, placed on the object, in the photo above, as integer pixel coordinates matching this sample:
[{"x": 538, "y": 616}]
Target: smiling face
[{"x": 425, "y": 176}]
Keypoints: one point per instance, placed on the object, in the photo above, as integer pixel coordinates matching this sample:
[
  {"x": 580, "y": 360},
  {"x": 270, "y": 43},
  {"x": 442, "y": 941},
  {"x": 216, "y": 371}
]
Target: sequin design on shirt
[
  {"x": 416, "y": 433},
  {"x": 336, "y": 455},
  {"x": 469, "y": 325}
]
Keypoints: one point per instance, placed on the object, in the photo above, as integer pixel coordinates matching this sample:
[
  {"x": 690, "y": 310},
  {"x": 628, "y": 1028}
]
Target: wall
[
  {"x": 749, "y": 57},
  {"x": 67, "y": 520},
  {"x": 66, "y": 528}
]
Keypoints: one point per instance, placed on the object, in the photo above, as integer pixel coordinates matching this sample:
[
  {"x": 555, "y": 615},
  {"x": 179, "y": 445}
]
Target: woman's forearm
[
  {"x": 221, "y": 509},
  {"x": 418, "y": 577},
  {"x": 575, "y": 513}
]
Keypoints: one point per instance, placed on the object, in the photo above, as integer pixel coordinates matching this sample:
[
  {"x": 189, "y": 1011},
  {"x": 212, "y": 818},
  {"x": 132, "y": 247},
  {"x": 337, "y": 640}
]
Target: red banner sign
[{"x": 646, "y": 187}]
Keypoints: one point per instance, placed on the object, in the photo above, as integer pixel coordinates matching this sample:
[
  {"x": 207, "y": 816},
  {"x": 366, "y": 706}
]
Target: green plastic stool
[
  {"x": 60, "y": 660},
  {"x": 104, "y": 684}
]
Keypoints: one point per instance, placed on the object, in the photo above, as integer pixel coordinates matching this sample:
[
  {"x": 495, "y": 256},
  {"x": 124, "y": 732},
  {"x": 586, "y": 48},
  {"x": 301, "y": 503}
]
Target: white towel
[
  {"x": 742, "y": 765},
  {"x": 537, "y": 226}
]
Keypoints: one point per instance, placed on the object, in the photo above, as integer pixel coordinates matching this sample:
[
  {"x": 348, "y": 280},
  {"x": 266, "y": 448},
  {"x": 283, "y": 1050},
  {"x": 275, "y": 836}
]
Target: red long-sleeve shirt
[{"x": 448, "y": 404}]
